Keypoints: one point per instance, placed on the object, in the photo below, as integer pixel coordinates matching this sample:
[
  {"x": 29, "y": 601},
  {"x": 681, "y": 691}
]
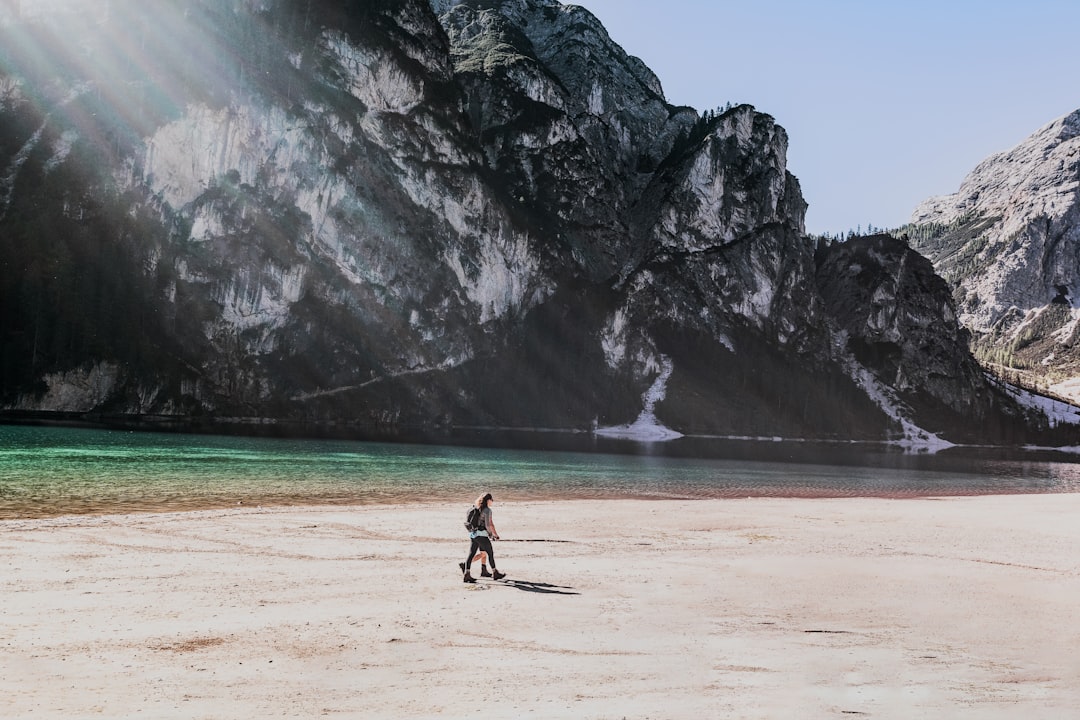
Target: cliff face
[
  {"x": 470, "y": 213},
  {"x": 1008, "y": 241},
  {"x": 898, "y": 320}
]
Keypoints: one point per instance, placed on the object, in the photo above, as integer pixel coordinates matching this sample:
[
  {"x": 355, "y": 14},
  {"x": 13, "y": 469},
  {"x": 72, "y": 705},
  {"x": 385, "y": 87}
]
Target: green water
[{"x": 50, "y": 471}]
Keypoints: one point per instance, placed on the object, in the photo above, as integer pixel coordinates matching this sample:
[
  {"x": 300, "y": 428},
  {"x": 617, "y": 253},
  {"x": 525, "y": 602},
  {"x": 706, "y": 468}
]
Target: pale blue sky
[{"x": 885, "y": 103}]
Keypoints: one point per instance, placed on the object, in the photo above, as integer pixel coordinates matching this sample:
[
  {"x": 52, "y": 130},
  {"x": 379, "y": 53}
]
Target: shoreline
[
  {"x": 763, "y": 607},
  {"x": 301, "y": 503},
  {"x": 642, "y": 436}
]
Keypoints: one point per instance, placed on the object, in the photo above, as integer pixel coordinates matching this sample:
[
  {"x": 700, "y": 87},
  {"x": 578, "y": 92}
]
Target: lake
[{"x": 46, "y": 471}]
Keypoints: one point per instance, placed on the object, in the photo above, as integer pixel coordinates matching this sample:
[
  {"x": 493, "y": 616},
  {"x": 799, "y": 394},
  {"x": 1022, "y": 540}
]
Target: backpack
[{"x": 472, "y": 519}]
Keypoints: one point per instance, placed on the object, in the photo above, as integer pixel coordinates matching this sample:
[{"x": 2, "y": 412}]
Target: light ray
[{"x": 144, "y": 62}]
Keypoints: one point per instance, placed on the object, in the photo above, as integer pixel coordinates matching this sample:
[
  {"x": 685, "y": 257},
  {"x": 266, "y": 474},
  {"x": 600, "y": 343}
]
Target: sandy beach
[{"x": 759, "y": 608}]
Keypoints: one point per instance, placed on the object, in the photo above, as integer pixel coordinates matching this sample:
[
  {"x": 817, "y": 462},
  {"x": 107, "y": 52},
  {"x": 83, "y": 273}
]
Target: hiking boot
[
  {"x": 484, "y": 572},
  {"x": 468, "y": 578},
  {"x": 498, "y": 575}
]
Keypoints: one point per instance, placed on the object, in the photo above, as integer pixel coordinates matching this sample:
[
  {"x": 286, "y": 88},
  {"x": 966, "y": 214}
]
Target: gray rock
[
  {"x": 416, "y": 214},
  {"x": 1008, "y": 241}
]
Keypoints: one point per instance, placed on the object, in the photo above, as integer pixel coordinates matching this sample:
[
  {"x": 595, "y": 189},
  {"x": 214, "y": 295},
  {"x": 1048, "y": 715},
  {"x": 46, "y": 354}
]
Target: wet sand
[{"x": 964, "y": 607}]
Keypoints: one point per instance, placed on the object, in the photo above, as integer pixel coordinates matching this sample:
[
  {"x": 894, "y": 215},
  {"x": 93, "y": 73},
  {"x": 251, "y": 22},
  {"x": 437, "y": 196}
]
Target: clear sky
[{"x": 886, "y": 102}]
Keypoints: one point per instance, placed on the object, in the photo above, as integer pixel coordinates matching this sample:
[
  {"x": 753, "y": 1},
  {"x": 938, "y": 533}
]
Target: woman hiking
[{"x": 481, "y": 536}]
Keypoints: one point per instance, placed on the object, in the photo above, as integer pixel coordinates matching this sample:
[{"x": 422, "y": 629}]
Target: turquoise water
[{"x": 50, "y": 471}]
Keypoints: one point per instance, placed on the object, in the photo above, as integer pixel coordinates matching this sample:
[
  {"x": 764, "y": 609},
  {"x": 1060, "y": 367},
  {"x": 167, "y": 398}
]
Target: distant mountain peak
[
  {"x": 1070, "y": 125},
  {"x": 1033, "y": 173},
  {"x": 1007, "y": 242}
]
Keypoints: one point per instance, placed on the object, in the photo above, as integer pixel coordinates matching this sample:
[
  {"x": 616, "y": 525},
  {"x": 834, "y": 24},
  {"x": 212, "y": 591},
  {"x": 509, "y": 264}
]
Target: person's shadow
[
  {"x": 546, "y": 588},
  {"x": 535, "y": 587}
]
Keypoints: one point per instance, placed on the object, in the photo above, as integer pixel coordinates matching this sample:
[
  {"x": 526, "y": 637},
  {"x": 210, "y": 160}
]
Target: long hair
[{"x": 482, "y": 501}]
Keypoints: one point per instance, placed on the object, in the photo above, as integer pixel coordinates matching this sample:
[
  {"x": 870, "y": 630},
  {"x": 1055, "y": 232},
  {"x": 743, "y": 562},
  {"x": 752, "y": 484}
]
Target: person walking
[
  {"x": 481, "y": 537},
  {"x": 479, "y": 557}
]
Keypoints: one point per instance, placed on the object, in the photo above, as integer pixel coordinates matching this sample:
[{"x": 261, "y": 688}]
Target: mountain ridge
[
  {"x": 1007, "y": 241},
  {"x": 403, "y": 214}
]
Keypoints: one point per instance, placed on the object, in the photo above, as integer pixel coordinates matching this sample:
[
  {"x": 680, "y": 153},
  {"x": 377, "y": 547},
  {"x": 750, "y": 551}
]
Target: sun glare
[{"x": 132, "y": 64}]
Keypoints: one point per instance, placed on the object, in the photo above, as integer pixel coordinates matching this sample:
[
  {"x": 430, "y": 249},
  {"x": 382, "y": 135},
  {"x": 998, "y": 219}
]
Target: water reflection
[{"x": 50, "y": 471}]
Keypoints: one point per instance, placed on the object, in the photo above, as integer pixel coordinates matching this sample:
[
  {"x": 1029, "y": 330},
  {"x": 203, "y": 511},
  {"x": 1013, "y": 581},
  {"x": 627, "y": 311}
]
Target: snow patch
[
  {"x": 1071, "y": 449},
  {"x": 1057, "y": 412},
  {"x": 1068, "y": 389},
  {"x": 915, "y": 438},
  {"x": 647, "y": 428}
]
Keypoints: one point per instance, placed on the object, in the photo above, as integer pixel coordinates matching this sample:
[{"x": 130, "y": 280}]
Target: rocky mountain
[
  {"x": 404, "y": 213},
  {"x": 1008, "y": 241}
]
